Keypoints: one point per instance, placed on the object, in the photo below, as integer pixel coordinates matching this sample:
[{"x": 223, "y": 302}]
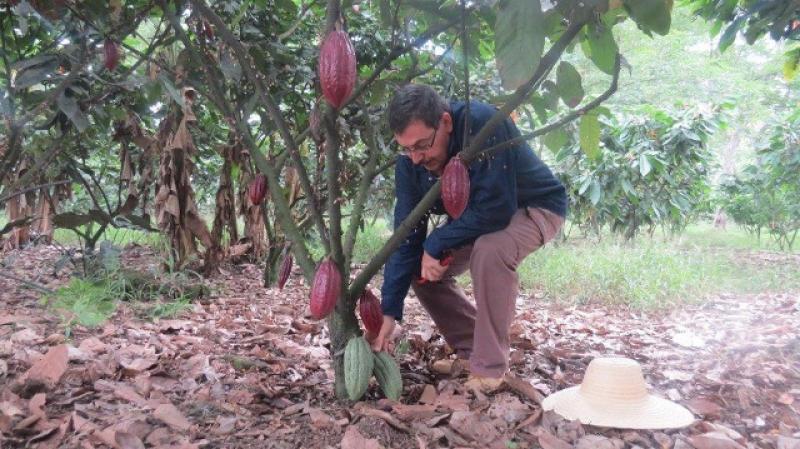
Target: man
[{"x": 516, "y": 205}]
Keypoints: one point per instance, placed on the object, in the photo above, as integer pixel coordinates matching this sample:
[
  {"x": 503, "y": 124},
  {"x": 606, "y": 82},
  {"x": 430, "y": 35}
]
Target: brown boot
[
  {"x": 453, "y": 368},
  {"x": 484, "y": 384}
]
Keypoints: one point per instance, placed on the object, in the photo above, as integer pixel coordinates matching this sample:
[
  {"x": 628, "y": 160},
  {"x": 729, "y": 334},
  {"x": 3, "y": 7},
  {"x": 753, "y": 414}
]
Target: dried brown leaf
[
  {"x": 49, "y": 368},
  {"x": 353, "y": 439},
  {"x": 714, "y": 440},
  {"x": 170, "y": 415}
]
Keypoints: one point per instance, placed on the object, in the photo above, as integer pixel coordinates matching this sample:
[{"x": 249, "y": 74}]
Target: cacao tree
[
  {"x": 780, "y": 20},
  {"x": 650, "y": 170},
  {"x": 764, "y": 195},
  {"x": 205, "y": 81}
]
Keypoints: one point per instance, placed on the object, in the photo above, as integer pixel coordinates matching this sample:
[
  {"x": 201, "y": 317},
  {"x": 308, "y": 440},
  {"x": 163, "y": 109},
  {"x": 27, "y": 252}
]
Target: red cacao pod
[
  {"x": 369, "y": 307},
  {"x": 257, "y": 189},
  {"x": 337, "y": 68},
  {"x": 455, "y": 187},
  {"x": 111, "y": 52},
  {"x": 286, "y": 270},
  {"x": 326, "y": 289}
]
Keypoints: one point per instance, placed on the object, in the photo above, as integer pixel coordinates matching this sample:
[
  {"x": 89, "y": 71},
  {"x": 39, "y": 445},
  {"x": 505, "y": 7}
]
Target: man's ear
[{"x": 447, "y": 121}]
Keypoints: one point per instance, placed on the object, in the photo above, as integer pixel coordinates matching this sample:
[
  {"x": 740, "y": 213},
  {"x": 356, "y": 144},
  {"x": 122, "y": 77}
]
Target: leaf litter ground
[{"x": 247, "y": 368}]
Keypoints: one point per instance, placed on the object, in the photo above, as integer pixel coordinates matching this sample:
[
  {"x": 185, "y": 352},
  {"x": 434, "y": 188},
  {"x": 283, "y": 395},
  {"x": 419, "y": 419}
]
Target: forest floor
[{"x": 246, "y": 367}]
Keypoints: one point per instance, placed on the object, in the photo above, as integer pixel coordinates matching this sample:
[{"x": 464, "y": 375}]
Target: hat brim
[{"x": 650, "y": 413}]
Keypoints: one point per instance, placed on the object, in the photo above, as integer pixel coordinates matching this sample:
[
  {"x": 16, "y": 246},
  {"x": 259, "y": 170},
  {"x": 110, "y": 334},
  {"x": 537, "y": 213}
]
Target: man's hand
[
  {"x": 384, "y": 341},
  {"x": 432, "y": 269}
]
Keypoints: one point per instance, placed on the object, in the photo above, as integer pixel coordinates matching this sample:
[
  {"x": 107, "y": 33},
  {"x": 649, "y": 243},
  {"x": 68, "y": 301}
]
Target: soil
[{"x": 247, "y": 367}]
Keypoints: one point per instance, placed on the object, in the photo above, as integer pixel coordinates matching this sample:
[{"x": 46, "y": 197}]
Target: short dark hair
[{"x": 415, "y": 102}]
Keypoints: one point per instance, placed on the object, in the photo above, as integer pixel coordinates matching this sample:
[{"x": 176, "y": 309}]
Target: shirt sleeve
[
  {"x": 492, "y": 198},
  {"x": 405, "y": 260}
]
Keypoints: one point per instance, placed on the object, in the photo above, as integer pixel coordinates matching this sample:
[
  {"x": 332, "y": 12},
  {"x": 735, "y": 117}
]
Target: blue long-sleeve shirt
[{"x": 500, "y": 184}]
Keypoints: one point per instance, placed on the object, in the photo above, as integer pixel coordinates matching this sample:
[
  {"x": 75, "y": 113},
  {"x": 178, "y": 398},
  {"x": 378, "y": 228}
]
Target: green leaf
[
  {"x": 590, "y": 135},
  {"x": 650, "y": 15},
  {"x": 729, "y": 35},
  {"x": 791, "y": 63},
  {"x": 568, "y": 82},
  {"x": 69, "y": 106},
  {"x": 555, "y": 139},
  {"x": 519, "y": 40},
  {"x": 595, "y": 193},
  {"x": 644, "y": 165},
  {"x": 601, "y": 47}
]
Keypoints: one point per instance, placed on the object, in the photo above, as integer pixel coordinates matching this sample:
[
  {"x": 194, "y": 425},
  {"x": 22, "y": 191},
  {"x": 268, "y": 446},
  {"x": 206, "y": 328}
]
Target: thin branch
[
  {"x": 395, "y": 53},
  {"x": 283, "y": 210},
  {"x": 367, "y": 177},
  {"x": 300, "y": 19},
  {"x": 564, "y": 120},
  {"x": 546, "y": 64},
  {"x": 28, "y": 284},
  {"x": 31, "y": 189},
  {"x": 272, "y": 108}
]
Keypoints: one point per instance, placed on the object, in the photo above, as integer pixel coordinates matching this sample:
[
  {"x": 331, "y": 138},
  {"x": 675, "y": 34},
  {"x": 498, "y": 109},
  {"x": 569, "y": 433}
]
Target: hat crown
[{"x": 614, "y": 380}]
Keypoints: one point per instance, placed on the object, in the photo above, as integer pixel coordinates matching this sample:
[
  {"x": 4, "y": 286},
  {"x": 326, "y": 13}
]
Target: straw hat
[{"x": 613, "y": 394}]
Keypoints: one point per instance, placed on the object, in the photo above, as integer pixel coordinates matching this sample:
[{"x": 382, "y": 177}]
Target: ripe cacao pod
[
  {"x": 111, "y": 52},
  {"x": 388, "y": 375},
  {"x": 257, "y": 189},
  {"x": 286, "y": 270},
  {"x": 369, "y": 307},
  {"x": 337, "y": 68},
  {"x": 455, "y": 187},
  {"x": 358, "y": 364},
  {"x": 326, "y": 289}
]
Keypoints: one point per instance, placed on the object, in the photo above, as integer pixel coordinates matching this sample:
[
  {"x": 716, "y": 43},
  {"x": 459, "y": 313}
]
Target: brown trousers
[{"x": 482, "y": 334}]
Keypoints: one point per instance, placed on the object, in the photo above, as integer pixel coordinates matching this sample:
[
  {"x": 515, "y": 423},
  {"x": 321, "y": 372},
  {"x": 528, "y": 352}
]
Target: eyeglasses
[{"x": 421, "y": 146}]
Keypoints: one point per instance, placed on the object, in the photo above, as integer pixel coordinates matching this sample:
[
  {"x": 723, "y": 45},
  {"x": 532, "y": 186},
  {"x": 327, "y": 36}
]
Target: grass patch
[
  {"x": 705, "y": 235},
  {"x": 649, "y": 273},
  {"x": 84, "y": 302},
  {"x": 117, "y": 236},
  {"x": 644, "y": 275},
  {"x": 370, "y": 240}
]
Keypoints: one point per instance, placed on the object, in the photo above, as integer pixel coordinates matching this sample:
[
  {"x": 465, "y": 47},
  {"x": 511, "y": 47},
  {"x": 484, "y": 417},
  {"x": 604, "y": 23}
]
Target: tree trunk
[{"x": 225, "y": 210}]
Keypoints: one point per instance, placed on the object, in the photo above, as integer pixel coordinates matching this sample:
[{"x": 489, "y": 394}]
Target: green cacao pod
[
  {"x": 358, "y": 363},
  {"x": 388, "y": 374},
  {"x": 455, "y": 187}
]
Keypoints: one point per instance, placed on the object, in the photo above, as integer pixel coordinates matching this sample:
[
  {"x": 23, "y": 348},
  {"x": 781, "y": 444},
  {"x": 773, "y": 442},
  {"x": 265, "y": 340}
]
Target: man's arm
[
  {"x": 492, "y": 201},
  {"x": 405, "y": 260}
]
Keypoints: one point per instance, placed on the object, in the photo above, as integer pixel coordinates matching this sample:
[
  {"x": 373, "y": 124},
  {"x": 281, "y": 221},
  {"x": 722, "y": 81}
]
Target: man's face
[{"x": 427, "y": 146}]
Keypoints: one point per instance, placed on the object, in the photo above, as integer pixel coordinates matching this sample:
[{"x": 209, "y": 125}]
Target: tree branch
[
  {"x": 546, "y": 64},
  {"x": 564, "y": 120},
  {"x": 31, "y": 189},
  {"x": 272, "y": 108},
  {"x": 367, "y": 177}
]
